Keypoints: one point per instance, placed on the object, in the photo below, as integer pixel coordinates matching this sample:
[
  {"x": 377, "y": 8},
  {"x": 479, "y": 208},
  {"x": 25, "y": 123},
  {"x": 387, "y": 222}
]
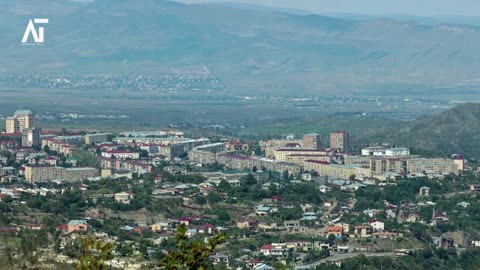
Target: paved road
[{"x": 342, "y": 256}]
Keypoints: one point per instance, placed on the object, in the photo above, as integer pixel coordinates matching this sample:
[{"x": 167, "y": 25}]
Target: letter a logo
[{"x": 37, "y": 37}]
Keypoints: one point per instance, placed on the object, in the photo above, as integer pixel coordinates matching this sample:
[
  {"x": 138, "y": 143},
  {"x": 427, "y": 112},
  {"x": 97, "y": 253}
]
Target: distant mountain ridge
[{"x": 252, "y": 52}]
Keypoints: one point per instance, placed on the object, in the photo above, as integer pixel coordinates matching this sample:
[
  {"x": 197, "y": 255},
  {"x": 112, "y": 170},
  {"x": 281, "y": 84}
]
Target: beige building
[
  {"x": 21, "y": 120},
  {"x": 380, "y": 166},
  {"x": 336, "y": 170},
  {"x": 339, "y": 140},
  {"x": 313, "y": 141},
  {"x": 203, "y": 157},
  {"x": 299, "y": 159},
  {"x": 272, "y": 145},
  {"x": 283, "y": 153},
  {"x": 432, "y": 166},
  {"x": 34, "y": 173},
  {"x": 96, "y": 138}
]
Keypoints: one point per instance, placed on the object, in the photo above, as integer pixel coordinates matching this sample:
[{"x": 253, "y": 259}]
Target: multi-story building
[
  {"x": 73, "y": 139},
  {"x": 272, "y": 145},
  {"x": 312, "y": 141},
  {"x": 31, "y": 137},
  {"x": 34, "y": 173},
  {"x": 206, "y": 154},
  {"x": 121, "y": 154},
  {"x": 299, "y": 159},
  {"x": 339, "y": 140},
  {"x": 21, "y": 120},
  {"x": 383, "y": 151},
  {"x": 432, "y": 166},
  {"x": 336, "y": 170},
  {"x": 237, "y": 146},
  {"x": 96, "y": 138},
  {"x": 282, "y": 153},
  {"x": 380, "y": 166}
]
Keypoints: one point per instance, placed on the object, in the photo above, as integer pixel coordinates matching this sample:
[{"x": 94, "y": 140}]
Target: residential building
[
  {"x": 282, "y": 154},
  {"x": 31, "y": 137},
  {"x": 96, "y": 138},
  {"x": 335, "y": 230},
  {"x": 336, "y": 170},
  {"x": 339, "y": 141},
  {"x": 312, "y": 141},
  {"x": 77, "y": 225},
  {"x": 385, "y": 151},
  {"x": 21, "y": 120},
  {"x": 124, "y": 197},
  {"x": 377, "y": 225},
  {"x": 248, "y": 224},
  {"x": 121, "y": 154},
  {"x": 432, "y": 166},
  {"x": 34, "y": 173},
  {"x": 363, "y": 230}
]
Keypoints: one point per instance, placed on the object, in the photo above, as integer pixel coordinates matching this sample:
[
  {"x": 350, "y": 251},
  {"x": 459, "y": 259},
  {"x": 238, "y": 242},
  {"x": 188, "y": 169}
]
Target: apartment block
[
  {"x": 21, "y": 120},
  {"x": 313, "y": 141},
  {"x": 34, "y": 173},
  {"x": 31, "y": 137},
  {"x": 96, "y": 138},
  {"x": 282, "y": 153},
  {"x": 336, "y": 170},
  {"x": 339, "y": 140},
  {"x": 432, "y": 166}
]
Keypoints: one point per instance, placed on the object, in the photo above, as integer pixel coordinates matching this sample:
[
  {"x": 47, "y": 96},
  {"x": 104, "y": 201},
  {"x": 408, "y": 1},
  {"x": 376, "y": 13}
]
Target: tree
[
  {"x": 94, "y": 253},
  {"x": 190, "y": 254},
  {"x": 213, "y": 197}
]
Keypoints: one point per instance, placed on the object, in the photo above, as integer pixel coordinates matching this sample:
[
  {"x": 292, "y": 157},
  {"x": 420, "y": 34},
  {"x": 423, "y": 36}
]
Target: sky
[{"x": 372, "y": 7}]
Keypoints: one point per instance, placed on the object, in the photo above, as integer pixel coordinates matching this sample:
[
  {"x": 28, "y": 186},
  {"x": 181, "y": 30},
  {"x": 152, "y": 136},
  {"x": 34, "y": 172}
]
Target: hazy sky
[{"x": 412, "y": 7}]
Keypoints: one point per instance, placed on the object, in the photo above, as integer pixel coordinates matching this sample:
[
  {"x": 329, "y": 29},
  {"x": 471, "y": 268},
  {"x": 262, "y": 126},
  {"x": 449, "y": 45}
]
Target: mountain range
[{"x": 251, "y": 51}]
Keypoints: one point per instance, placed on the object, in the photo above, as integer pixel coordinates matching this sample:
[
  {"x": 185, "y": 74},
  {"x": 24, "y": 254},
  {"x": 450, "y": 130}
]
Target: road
[{"x": 342, "y": 256}]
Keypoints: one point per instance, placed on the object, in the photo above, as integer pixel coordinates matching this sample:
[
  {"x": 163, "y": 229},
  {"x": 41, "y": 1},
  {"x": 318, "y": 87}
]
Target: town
[{"x": 299, "y": 202}]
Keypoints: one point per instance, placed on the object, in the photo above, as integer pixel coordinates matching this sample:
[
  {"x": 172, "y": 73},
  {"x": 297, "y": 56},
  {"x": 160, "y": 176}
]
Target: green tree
[{"x": 190, "y": 254}]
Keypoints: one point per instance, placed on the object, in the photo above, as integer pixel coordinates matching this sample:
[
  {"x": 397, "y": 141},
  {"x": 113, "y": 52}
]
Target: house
[
  {"x": 439, "y": 218},
  {"x": 300, "y": 245},
  {"x": 234, "y": 183},
  {"x": 220, "y": 258},
  {"x": 475, "y": 242},
  {"x": 324, "y": 189},
  {"x": 424, "y": 191},
  {"x": 248, "y": 224},
  {"x": 413, "y": 217},
  {"x": 124, "y": 197},
  {"x": 377, "y": 225},
  {"x": 291, "y": 224},
  {"x": 335, "y": 230},
  {"x": 371, "y": 212},
  {"x": 275, "y": 249},
  {"x": 185, "y": 220},
  {"x": 363, "y": 230},
  {"x": 262, "y": 210},
  {"x": 206, "y": 228},
  {"x": 77, "y": 225}
]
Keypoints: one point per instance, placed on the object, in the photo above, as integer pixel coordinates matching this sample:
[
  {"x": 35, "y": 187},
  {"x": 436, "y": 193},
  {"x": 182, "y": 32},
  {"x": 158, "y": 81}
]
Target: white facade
[{"x": 388, "y": 152}]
